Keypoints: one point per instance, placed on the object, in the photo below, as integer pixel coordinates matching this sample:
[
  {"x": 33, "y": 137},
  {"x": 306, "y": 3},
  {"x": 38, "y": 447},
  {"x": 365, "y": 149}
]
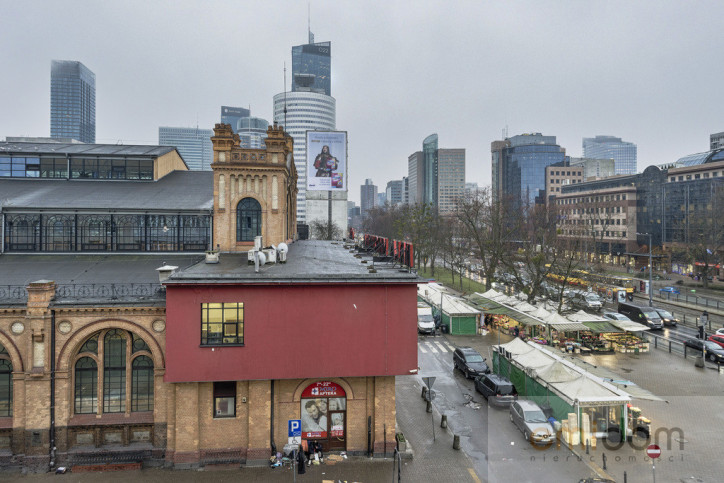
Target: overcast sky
[{"x": 649, "y": 72}]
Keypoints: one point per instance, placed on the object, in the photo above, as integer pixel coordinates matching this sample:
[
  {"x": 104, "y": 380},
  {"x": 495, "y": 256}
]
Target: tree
[
  {"x": 705, "y": 233},
  {"x": 322, "y": 230}
]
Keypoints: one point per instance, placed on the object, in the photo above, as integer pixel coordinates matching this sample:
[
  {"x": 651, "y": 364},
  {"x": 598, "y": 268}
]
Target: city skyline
[{"x": 648, "y": 99}]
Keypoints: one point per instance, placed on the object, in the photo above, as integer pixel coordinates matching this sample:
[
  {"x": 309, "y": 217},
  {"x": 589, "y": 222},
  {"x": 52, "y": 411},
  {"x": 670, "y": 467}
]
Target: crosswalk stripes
[{"x": 435, "y": 347}]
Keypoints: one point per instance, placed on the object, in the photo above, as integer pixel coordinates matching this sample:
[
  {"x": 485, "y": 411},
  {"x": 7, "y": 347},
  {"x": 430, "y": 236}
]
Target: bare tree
[
  {"x": 455, "y": 247},
  {"x": 322, "y": 230},
  {"x": 597, "y": 214},
  {"x": 705, "y": 234}
]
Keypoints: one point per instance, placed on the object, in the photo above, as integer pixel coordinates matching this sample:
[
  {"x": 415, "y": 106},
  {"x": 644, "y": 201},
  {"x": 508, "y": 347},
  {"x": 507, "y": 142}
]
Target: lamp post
[{"x": 651, "y": 267}]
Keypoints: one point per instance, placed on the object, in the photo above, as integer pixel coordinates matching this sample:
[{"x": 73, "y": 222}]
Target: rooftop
[
  {"x": 80, "y": 148},
  {"x": 308, "y": 261},
  {"x": 177, "y": 191}
]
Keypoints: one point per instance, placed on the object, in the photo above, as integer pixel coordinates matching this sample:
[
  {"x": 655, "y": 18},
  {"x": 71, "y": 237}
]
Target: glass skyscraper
[
  {"x": 520, "y": 169},
  {"x": 193, "y": 144},
  {"x": 312, "y": 68},
  {"x": 232, "y": 115},
  {"x": 610, "y": 147},
  {"x": 72, "y": 101}
]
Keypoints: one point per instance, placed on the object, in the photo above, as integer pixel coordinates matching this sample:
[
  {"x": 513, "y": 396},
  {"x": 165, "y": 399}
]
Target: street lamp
[{"x": 651, "y": 267}]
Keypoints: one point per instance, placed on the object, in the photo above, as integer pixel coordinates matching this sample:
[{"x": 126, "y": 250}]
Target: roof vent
[{"x": 165, "y": 271}]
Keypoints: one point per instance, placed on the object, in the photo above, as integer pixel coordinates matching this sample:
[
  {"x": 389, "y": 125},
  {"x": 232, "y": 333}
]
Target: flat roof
[
  {"x": 177, "y": 191},
  {"x": 79, "y": 148},
  {"x": 308, "y": 261}
]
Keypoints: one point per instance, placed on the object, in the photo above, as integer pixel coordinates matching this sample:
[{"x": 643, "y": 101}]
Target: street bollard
[
  {"x": 456, "y": 442},
  {"x": 624, "y": 477},
  {"x": 588, "y": 446},
  {"x": 443, "y": 421},
  {"x": 429, "y": 407},
  {"x": 424, "y": 391},
  {"x": 604, "y": 461}
]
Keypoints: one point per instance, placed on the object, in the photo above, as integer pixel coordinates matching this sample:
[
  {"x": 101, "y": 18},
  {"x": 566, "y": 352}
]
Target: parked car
[
  {"x": 529, "y": 418},
  {"x": 669, "y": 290},
  {"x": 641, "y": 314},
  {"x": 615, "y": 316},
  {"x": 720, "y": 331},
  {"x": 470, "y": 362},
  {"x": 498, "y": 390},
  {"x": 667, "y": 317},
  {"x": 425, "y": 321},
  {"x": 717, "y": 339},
  {"x": 714, "y": 353}
]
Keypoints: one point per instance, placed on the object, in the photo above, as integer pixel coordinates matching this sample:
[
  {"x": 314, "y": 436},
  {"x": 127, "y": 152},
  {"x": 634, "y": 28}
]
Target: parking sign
[{"x": 295, "y": 428}]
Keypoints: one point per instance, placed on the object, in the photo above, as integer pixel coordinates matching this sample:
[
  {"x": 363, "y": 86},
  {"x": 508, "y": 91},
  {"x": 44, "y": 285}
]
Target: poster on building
[
  {"x": 326, "y": 160},
  {"x": 323, "y": 405}
]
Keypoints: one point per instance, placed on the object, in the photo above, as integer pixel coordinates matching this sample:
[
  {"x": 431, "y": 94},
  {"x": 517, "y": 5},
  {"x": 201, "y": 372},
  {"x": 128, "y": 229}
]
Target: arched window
[
  {"x": 248, "y": 219},
  {"x": 6, "y": 383},
  {"x": 120, "y": 353}
]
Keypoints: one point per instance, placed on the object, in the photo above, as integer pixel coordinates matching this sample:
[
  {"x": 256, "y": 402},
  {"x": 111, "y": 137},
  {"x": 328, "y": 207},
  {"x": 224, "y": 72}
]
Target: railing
[
  {"x": 691, "y": 299},
  {"x": 98, "y": 291},
  {"x": 676, "y": 347}
]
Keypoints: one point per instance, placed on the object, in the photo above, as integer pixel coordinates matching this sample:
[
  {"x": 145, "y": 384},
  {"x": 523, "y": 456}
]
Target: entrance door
[{"x": 324, "y": 415}]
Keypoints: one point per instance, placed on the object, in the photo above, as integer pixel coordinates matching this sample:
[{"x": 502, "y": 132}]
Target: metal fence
[
  {"x": 91, "y": 291},
  {"x": 674, "y": 347},
  {"x": 691, "y": 299}
]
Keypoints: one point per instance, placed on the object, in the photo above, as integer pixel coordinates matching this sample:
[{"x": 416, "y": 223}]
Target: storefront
[
  {"x": 324, "y": 415},
  {"x": 596, "y": 337}
]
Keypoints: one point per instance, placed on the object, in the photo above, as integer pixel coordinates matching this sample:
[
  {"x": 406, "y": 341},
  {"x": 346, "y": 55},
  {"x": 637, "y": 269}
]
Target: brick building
[{"x": 101, "y": 361}]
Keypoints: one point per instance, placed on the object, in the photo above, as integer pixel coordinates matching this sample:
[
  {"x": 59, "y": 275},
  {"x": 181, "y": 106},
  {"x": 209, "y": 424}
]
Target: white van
[{"x": 425, "y": 321}]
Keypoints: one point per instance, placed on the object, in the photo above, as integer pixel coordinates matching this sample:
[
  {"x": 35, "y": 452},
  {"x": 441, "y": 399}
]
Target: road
[{"x": 496, "y": 447}]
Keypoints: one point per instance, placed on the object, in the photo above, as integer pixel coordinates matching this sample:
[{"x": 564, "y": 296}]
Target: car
[
  {"x": 669, "y": 290},
  {"x": 425, "y": 320},
  {"x": 470, "y": 362},
  {"x": 714, "y": 353},
  {"x": 587, "y": 300},
  {"x": 616, "y": 316},
  {"x": 720, "y": 331},
  {"x": 641, "y": 314},
  {"x": 529, "y": 418},
  {"x": 717, "y": 339},
  {"x": 667, "y": 317},
  {"x": 498, "y": 390}
]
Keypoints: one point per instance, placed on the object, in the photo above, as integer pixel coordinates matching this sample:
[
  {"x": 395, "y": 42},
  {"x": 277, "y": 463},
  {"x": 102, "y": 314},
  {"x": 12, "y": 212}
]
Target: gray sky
[{"x": 646, "y": 71}]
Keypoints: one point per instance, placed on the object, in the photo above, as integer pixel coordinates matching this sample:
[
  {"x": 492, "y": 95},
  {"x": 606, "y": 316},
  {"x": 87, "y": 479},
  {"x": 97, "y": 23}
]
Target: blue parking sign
[{"x": 295, "y": 428}]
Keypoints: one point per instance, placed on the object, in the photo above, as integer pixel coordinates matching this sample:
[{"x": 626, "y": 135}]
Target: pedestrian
[{"x": 301, "y": 469}]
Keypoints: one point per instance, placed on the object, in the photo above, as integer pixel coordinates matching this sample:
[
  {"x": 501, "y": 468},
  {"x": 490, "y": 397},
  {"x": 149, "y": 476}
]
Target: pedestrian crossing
[{"x": 435, "y": 346}]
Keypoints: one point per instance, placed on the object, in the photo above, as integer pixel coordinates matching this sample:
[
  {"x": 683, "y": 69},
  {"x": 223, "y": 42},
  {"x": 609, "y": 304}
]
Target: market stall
[{"x": 506, "y": 318}]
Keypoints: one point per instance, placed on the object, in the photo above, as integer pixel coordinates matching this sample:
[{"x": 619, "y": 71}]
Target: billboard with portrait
[{"x": 326, "y": 160}]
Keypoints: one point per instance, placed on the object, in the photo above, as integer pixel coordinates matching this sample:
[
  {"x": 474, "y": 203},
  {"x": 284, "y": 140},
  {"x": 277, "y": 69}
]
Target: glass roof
[{"x": 692, "y": 159}]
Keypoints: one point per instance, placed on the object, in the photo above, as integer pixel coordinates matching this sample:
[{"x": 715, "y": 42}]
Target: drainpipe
[
  {"x": 52, "y": 390},
  {"x": 271, "y": 422}
]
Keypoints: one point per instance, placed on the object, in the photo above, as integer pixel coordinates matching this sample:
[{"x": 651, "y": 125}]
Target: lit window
[{"x": 222, "y": 323}]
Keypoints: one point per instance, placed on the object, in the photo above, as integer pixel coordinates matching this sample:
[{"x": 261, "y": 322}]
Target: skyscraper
[
  {"x": 252, "y": 132},
  {"x": 394, "y": 192},
  {"x": 518, "y": 166},
  {"x": 232, "y": 115},
  {"x": 436, "y": 176},
  {"x": 610, "y": 147},
  {"x": 193, "y": 144},
  {"x": 368, "y": 197},
  {"x": 312, "y": 67},
  {"x": 415, "y": 177},
  {"x": 72, "y": 101}
]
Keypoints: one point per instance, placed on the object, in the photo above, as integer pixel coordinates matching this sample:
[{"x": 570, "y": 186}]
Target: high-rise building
[
  {"x": 368, "y": 196},
  {"x": 518, "y": 166},
  {"x": 716, "y": 141},
  {"x": 394, "y": 192},
  {"x": 436, "y": 176},
  {"x": 72, "y": 101},
  {"x": 193, "y": 144},
  {"x": 232, "y": 115},
  {"x": 595, "y": 168},
  {"x": 252, "y": 132},
  {"x": 610, "y": 147},
  {"x": 405, "y": 190},
  {"x": 415, "y": 178},
  {"x": 312, "y": 67}
]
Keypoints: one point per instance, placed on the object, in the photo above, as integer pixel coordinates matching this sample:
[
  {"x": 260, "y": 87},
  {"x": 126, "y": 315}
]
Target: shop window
[
  {"x": 113, "y": 354},
  {"x": 6, "y": 383},
  {"x": 222, "y": 323},
  {"x": 324, "y": 414},
  {"x": 224, "y": 399}
]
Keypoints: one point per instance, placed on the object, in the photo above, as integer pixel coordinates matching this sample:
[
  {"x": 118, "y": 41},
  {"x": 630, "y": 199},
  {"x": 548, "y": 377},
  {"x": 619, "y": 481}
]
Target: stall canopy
[
  {"x": 495, "y": 307},
  {"x": 602, "y": 327},
  {"x": 558, "y": 322},
  {"x": 627, "y": 326}
]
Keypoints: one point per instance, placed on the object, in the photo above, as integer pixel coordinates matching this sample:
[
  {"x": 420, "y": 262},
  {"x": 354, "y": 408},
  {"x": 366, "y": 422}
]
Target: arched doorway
[{"x": 324, "y": 415}]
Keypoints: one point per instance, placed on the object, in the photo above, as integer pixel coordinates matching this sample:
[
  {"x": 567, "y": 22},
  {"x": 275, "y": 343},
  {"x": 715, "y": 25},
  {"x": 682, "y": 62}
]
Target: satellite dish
[
  {"x": 283, "y": 248},
  {"x": 262, "y": 258}
]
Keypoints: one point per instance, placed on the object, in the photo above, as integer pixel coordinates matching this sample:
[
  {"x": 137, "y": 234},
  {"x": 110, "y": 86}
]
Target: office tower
[
  {"x": 232, "y": 115},
  {"x": 308, "y": 107},
  {"x": 252, "y": 132},
  {"x": 610, "y": 147},
  {"x": 193, "y": 144},
  {"x": 368, "y": 197},
  {"x": 436, "y": 176},
  {"x": 312, "y": 67},
  {"x": 405, "y": 190},
  {"x": 518, "y": 167},
  {"x": 471, "y": 188},
  {"x": 415, "y": 178},
  {"x": 394, "y": 192},
  {"x": 716, "y": 141},
  {"x": 72, "y": 101}
]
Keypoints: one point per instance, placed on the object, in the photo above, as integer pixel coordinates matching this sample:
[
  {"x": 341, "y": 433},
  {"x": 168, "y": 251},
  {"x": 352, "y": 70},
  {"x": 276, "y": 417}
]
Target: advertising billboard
[{"x": 326, "y": 161}]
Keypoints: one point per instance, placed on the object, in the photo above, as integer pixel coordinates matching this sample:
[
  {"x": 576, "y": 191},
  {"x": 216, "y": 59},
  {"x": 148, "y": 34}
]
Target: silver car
[{"x": 532, "y": 422}]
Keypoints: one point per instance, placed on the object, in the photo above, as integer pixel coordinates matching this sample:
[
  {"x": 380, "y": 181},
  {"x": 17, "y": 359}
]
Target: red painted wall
[{"x": 295, "y": 331}]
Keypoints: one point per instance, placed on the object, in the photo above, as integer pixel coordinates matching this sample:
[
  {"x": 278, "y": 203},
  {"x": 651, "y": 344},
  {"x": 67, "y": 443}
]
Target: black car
[
  {"x": 470, "y": 362},
  {"x": 714, "y": 352},
  {"x": 667, "y": 317},
  {"x": 498, "y": 390}
]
